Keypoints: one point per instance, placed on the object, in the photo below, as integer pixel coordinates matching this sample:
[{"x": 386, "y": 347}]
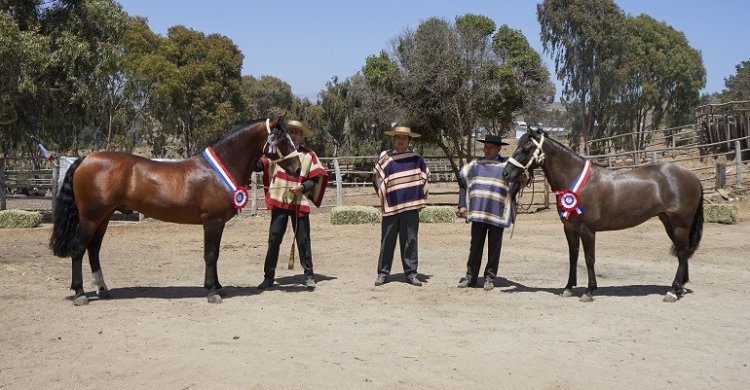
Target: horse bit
[{"x": 273, "y": 141}]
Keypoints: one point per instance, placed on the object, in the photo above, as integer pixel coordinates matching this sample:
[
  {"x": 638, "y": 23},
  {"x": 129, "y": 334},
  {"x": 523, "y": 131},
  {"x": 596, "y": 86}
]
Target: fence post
[
  {"x": 738, "y": 161},
  {"x": 337, "y": 171},
  {"x": 721, "y": 176},
  {"x": 2, "y": 184},
  {"x": 653, "y": 157},
  {"x": 55, "y": 175}
]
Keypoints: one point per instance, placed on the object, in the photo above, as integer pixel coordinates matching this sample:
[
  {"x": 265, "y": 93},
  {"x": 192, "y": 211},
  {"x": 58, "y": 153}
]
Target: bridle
[
  {"x": 537, "y": 156},
  {"x": 273, "y": 141}
]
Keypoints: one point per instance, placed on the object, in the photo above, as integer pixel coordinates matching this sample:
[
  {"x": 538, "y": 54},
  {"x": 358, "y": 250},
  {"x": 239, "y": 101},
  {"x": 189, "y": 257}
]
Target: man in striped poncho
[
  {"x": 484, "y": 201},
  {"x": 401, "y": 183},
  {"x": 291, "y": 198}
]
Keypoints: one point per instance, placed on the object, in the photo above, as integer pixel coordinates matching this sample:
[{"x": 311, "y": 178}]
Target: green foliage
[
  {"x": 446, "y": 80},
  {"x": 620, "y": 74},
  {"x": 738, "y": 85}
]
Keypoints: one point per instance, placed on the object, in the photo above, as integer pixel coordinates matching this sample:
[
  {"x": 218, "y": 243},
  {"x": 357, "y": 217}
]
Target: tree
[
  {"x": 205, "y": 98},
  {"x": 447, "y": 80},
  {"x": 266, "y": 96},
  {"x": 583, "y": 36},
  {"x": 737, "y": 86},
  {"x": 659, "y": 76}
]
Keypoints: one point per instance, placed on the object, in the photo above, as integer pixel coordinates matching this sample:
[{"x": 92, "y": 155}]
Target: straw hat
[
  {"x": 492, "y": 139},
  {"x": 403, "y": 130},
  {"x": 306, "y": 131}
]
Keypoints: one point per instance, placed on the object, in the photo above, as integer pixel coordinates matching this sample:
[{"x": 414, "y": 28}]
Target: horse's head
[
  {"x": 527, "y": 156},
  {"x": 280, "y": 149}
]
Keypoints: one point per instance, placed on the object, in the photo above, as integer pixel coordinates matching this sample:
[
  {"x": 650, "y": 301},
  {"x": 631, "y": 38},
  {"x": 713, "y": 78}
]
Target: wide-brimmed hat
[
  {"x": 306, "y": 131},
  {"x": 403, "y": 130},
  {"x": 493, "y": 139}
]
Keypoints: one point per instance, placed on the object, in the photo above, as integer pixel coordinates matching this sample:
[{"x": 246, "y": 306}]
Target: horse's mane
[
  {"x": 235, "y": 129},
  {"x": 573, "y": 152}
]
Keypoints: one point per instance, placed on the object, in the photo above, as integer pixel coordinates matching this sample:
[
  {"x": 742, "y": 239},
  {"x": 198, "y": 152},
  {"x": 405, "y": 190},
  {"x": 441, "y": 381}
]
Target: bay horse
[
  {"x": 196, "y": 190},
  {"x": 592, "y": 198}
]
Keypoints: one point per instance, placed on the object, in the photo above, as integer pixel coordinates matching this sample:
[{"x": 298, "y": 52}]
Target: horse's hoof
[
  {"x": 670, "y": 297},
  {"x": 103, "y": 293},
  {"x": 587, "y": 298},
  {"x": 214, "y": 298},
  {"x": 80, "y": 300},
  {"x": 567, "y": 293}
]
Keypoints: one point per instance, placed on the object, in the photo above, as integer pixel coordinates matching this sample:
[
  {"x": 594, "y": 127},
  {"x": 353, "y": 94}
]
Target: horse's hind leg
[
  {"x": 94, "y": 246},
  {"x": 85, "y": 231},
  {"x": 574, "y": 243},
  {"x": 681, "y": 241}
]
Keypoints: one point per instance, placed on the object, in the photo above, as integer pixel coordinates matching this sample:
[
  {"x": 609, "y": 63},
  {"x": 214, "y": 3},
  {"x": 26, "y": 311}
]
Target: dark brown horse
[
  {"x": 190, "y": 191},
  {"x": 600, "y": 199}
]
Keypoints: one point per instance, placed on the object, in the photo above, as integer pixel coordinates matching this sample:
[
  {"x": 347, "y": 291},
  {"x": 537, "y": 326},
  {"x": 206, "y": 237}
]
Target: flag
[{"x": 45, "y": 153}]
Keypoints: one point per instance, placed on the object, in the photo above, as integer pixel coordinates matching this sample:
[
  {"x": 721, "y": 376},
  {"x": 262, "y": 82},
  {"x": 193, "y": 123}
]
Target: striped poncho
[
  {"x": 277, "y": 184},
  {"x": 487, "y": 195},
  {"x": 401, "y": 181}
]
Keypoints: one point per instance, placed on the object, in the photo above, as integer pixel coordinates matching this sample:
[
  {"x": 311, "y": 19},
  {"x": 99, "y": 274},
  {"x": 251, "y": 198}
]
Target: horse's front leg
[
  {"x": 589, "y": 252},
  {"x": 574, "y": 243},
  {"x": 212, "y": 232}
]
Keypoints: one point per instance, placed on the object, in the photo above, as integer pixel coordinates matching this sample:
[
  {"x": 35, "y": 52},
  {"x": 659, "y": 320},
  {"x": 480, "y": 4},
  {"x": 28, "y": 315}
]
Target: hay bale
[
  {"x": 353, "y": 215},
  {"x": 12, "y": 219},
  {"x": 725, "y": 213},
  {"x": 438, "y": 214}
]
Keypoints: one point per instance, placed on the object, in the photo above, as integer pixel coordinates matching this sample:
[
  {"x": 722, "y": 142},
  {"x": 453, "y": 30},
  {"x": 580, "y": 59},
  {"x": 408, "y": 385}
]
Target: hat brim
[
  {"x": 494, "y": 143},
  {"x": 409, "y": 134},
  {"x": 306, "y": 131}
]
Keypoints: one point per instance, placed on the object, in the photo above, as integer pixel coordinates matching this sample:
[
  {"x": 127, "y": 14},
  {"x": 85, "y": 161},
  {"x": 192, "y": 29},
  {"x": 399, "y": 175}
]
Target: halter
[
  {"x": 271, "y": 143},
  {"x": 537, "y": 156}
]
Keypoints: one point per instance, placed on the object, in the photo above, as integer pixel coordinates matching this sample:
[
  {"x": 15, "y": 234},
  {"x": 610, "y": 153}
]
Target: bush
[
  {"x": 10, "y": 219},
  {"x": 353, "y": 215}
]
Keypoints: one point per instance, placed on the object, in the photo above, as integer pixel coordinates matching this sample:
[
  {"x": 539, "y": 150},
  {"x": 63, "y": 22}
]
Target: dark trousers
[
  {"x": 480, "y": 231},
  {"x": 405, "y": 226},
  {"x": 279, "y": 220}
]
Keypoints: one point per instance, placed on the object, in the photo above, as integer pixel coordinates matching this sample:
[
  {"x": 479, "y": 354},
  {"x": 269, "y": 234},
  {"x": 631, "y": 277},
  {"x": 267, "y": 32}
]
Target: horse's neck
[
  {"x": 240, "y": 155},
  {"x": 561, "y": 166}
]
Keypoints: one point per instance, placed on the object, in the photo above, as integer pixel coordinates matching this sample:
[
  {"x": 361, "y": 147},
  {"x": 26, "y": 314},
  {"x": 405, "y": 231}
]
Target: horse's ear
[{"x": 281, "y": 118}]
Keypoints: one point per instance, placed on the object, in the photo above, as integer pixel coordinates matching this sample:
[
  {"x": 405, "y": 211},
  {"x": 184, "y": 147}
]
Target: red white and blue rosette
[{"x": 568, "y": 200}]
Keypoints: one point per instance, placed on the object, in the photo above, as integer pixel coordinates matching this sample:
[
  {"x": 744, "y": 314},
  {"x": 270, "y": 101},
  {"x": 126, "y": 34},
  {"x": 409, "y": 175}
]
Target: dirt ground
[{"x": 158, "y": 331}]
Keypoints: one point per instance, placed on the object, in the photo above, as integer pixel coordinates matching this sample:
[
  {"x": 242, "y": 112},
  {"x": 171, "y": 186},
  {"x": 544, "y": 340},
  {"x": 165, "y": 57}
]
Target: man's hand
[
  {"x": 297, "y": 189},
  {"x": 462, "y": 212}
]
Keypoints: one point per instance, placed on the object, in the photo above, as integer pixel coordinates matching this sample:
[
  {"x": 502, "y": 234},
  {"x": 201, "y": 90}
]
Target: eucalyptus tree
[
  {"x": 737, "y": 86},
  {"x": 60, "y": 64},
  {"x": 266, "y": 96},
  {"x": 584, "y": 39},
  {"x": 659, "y": 78},
  {"x": 204, "y": 99},
  {"x": 336, "y": 102},
  {"x": 449, "y": 79},
  {"x": 24, "y": 56}
]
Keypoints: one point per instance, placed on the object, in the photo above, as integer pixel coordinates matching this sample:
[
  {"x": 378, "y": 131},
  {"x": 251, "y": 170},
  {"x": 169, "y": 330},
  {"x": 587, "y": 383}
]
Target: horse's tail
[
  {"x": 64, "y": 241},
  {"x": 696, "y": 229}
]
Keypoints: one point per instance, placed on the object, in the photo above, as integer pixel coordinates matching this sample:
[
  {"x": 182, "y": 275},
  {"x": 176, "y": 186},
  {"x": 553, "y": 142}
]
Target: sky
[{"x": 306, "y": 43}]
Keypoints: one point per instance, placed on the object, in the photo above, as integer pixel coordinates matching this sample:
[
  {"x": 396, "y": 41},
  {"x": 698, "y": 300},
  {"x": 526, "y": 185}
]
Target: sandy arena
[{"x": 159, "y": 332}]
